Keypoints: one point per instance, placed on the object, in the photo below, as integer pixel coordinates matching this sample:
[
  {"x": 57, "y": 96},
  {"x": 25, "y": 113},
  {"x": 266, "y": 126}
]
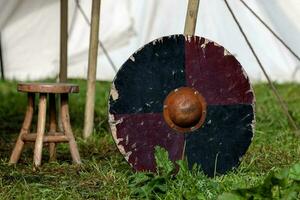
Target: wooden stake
[
  {"x": 63, "y": 71},
  {"x": 92, "y": 69},
  {"x": 191, "y": 17}
]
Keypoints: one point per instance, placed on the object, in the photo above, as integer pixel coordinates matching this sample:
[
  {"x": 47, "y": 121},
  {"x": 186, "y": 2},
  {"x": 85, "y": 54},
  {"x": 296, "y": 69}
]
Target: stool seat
[{"x": 55, "y": 88}]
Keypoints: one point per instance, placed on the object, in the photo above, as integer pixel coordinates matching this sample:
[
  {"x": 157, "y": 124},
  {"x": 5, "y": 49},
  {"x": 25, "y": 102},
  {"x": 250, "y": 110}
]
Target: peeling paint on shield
[
  {"x": 160, "y": 40},
  {"x": 132, "y": 58},
  {"x": 226, "y": 53},
  {"x": 206, "y": 41},
  {"x": 113, "y": 92},
  {"x": 113, "y": 127},
  {"x": 188, "y": 38}
]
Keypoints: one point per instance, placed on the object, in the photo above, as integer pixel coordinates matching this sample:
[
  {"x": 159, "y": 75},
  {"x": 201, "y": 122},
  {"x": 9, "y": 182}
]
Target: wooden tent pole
[
  {"x": 63, "y": 67},
  {"x": 92, "y": 69},
  {"x": 1, "y": 61},
  {"x": 63, "y": 53},
  {"x": 191, "y": 17}
]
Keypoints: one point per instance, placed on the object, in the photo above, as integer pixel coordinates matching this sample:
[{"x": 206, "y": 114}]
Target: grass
[{"x": 106, "y": 175}]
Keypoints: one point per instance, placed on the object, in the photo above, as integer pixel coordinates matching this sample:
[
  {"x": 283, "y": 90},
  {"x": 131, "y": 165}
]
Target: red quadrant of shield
[
  {"x": 215, "y": 73},
  {"x": 138, "y": 134}
]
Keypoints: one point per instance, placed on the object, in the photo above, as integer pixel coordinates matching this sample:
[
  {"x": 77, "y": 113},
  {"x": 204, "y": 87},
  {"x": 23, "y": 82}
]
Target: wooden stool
[{"x": 53, "y": 136}]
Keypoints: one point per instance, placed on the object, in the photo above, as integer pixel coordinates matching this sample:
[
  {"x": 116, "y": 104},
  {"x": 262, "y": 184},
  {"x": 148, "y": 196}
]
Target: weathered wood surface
[
  {"x": 53, "y": 126},
  {"x": 92, "y": 70},
  {"x": 55, "y": 88},
  {"x": 37, "y": 157},
  {"x": 47, "y": 138},
  {"x": 52, "y": 136},
  {"x": 16, "y": 153},
  {"x": 65, "y": 118},
  {"x": 63, "y": 56},
  {"x": 191, "y": 17}
]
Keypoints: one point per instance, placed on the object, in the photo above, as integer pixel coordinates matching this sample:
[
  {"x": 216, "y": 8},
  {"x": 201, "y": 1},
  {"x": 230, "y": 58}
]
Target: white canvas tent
[{"x": 30, "y": 34}]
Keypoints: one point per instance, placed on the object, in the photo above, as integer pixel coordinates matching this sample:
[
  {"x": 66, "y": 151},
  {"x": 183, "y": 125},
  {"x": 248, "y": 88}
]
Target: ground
[{"x": 106, "y": 175}]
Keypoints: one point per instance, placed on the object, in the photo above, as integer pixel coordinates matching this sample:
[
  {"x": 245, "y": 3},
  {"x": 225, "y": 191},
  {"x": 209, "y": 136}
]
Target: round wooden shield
[{"x": 188, "y": 95}]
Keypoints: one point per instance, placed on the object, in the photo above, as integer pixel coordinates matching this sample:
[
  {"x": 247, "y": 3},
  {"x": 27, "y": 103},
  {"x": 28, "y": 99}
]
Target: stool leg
[
  {"x": 52, "y": 131},
  {"x": 37, "y": 157},
  {"x": 65, "y": 118},
  {"x": 24, "y": 130}
]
